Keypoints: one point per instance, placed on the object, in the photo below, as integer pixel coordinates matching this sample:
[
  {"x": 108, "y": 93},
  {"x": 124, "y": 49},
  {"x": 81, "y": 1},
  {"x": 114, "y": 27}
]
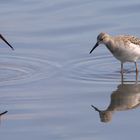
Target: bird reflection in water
[
  {"x": 127, "y": 96},
  {"x": 3, "y": 113}
]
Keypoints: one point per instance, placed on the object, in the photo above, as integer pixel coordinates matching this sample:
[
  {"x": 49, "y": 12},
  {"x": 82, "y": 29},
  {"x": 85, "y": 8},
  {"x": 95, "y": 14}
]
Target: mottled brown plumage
[{"x": 129, "y": 38}]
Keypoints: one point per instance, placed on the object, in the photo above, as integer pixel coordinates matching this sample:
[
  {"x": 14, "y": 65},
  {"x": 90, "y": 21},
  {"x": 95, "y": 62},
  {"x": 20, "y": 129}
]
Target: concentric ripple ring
[
  {"x": 18, "y": 69},
  {"x": 97, "y": 69}
]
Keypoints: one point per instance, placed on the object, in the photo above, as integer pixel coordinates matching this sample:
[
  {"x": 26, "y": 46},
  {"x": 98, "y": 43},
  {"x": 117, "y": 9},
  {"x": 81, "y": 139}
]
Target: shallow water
[{"x": 50, "y": 81}]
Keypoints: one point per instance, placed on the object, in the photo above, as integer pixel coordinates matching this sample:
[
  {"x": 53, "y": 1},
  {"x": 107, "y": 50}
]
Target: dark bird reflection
[
  {"x": 127, "y": 96},
  {"x": 1, "y": 114}
]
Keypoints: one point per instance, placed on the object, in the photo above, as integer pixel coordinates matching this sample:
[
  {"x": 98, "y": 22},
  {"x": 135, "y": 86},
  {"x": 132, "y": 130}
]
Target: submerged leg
[{"x": 136, "y": 67}]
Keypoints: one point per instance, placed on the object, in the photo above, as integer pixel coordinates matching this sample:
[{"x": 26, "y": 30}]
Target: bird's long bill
[
  {"x": 94, "y": 47},
  {"x": 96, "y": 109},
  {"x": 6, "y": 42}
]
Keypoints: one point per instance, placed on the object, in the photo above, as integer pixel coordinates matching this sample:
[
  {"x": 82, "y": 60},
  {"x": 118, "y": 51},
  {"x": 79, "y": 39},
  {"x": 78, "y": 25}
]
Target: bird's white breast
[{"x": 126, "y": 52}]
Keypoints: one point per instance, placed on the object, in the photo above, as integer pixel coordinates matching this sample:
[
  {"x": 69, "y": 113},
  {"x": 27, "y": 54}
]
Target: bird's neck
[{"x": 110, "y": 45}]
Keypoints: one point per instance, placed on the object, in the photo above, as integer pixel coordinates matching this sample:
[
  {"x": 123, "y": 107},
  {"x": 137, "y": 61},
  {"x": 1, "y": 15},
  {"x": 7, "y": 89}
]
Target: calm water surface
[{"x": 50, "y": 81}]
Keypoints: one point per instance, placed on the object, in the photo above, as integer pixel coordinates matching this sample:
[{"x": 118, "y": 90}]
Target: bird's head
[{"x": 102, "y": 38}]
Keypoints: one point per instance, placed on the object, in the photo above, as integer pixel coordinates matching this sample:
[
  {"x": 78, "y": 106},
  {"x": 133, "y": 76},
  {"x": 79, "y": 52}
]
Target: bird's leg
[
  {"x": 136, "y": 67},
  {"x": 121, "y": 72},
  {"x": 137, "y": 75},
  {"x": 121, "y": 68}
]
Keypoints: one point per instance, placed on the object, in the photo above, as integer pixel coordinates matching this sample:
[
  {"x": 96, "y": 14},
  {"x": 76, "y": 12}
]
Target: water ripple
[
  {"x": 23, "y": 69},
  {"x": 98, "y": 69}
]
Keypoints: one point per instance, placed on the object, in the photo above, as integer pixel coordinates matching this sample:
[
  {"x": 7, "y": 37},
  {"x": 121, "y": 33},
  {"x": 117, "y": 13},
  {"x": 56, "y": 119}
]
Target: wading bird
[{"x": 125, "y": 48}]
